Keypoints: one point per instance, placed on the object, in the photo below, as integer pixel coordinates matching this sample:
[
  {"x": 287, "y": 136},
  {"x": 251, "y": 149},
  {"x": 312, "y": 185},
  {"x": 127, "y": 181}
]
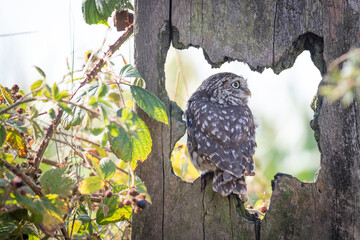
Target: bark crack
[
  {"x": 274, "y": 29},
  {"x": 163, "y": 187},
  {"x": 203, "y": 213},
  {"x": 190, "y": 21},
  {"x": 170, "y": 21},
  {"x": 202, "y": 23},
  {"x": 231, "y": 222}
]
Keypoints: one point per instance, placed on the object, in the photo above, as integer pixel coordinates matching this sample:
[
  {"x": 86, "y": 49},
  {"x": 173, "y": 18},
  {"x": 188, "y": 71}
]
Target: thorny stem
[
  {"x": 121, "y": 96},
  {"x": 50, "y": 131},
  {"x": 119, "y": 88},
  {"x": 15, "y": 104},
  {"x": 23, "y": 177}
]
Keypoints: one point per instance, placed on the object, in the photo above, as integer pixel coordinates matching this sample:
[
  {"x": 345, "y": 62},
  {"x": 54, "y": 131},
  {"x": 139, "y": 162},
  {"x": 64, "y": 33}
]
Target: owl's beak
[{"x": 248, "y": 93}]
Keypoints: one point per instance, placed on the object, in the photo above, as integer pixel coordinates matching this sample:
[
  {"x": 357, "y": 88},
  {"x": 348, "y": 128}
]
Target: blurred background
[
  {"x": 280, "y": 105},
  {"x": 53, "y": 36}
]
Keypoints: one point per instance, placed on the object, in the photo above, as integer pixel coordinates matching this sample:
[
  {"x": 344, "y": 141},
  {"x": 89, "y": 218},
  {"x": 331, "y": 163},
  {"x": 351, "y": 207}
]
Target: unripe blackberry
[
  {"x": 108, "y": 194},
  {"x": 20, "y": 110},
  {"x": 18, "y": 183},
  {"x": 22, "y": 192},
  {"x": 15, "y": 88},
  {"x": 133, "y": 192},
  {"x": 18, "y": 96},
  {"x": 127, "y": 202}
]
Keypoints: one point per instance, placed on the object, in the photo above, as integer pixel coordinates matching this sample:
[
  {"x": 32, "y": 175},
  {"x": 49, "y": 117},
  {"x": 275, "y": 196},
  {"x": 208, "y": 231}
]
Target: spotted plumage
[{"x": 221, "y": 132}]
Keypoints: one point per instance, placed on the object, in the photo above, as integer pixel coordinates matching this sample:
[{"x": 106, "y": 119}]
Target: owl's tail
[{"x": 225, "y": 184}]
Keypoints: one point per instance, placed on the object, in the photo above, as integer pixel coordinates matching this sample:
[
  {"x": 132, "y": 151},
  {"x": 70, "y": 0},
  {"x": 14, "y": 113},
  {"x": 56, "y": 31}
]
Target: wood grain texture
[{"x": 263, "y": 34}]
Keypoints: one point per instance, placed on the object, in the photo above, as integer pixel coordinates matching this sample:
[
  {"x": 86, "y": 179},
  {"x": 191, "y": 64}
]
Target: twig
[
  {"x": 15, "y": 104},
  {"x": 65, "y": 233},
  {"x": 250, "y": 210},
  {"x": 85, "y": 140},
  {"x": 21, "y": 175},
  {"x": 50, "y": 162},
  {"x": 17, "y": 33},
  {"x": 50, "y": 131}
]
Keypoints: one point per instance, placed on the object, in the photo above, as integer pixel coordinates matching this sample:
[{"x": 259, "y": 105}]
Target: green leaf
[
  {"x": 55, "y": 181},
  {"x": 129, "y": 71},
  {"x": 48, "y": 211},
  {"x": 42, "y": 73},
  {"x": 118, "y": 188},
  {"x": 63, "y": 94},
  {"x": 33, "y": 112},
  {"x": 6, "y": 228},
  {"x": 5, "y": 96},
  {"x": 52, "y": 113},
  {"x": 98, "y": 11},
  {"x": 84, "y": 218},
  {"x": 114, "y": 213},
  {"x": 97, "y": 131},
  {"x": 137, "y": 133},
  {"x": 108, "y": 168},
  {"x": 141, "y": 188},
  {"x": 66, "y": 108},
  {"x": 17, "y": 125},
  {"x": 150, "y": 103},
  {"x": 121, "y": 145},
  {"x": 104, "y": 140},
  {"x": 15, "y": 140},
  {"x": 55, "y": 91},
  {"x": 36, "y": 87},
  {"x": 93, "y": 101},
  {"x": 91, "y": 185},
  {"x": 2, "y": 134},
  {"x": 103, "y": 90},
  {"x": 139, "y": 82}
]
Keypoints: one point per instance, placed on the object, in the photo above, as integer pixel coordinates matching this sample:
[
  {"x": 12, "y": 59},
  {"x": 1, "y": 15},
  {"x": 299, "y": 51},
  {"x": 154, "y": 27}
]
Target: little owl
[{"x": 221, "y": 132}]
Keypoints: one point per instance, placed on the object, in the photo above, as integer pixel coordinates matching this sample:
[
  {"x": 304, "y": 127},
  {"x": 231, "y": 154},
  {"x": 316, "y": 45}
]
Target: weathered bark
[{"x": 263, "y": 34}]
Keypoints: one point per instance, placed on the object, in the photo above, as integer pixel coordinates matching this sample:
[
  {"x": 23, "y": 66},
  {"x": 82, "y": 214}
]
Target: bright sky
[{"x": 56, "y": 29}]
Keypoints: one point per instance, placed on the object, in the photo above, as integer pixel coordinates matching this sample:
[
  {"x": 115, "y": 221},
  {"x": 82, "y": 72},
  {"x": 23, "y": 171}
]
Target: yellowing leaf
[
  {"x": 91, "y": 185},
  {"x": 75, "y": 226},
  {"x": 5, "y": 96},
  {"x": 2, "y": 134},
  {"x": 133, "y": 143},
  {"x": 182, "y": 165},
  {"x": 15, "y": 140}
]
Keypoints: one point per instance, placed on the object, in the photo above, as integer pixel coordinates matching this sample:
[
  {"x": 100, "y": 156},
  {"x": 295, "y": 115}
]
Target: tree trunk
[{"x": 262, "y": 33}]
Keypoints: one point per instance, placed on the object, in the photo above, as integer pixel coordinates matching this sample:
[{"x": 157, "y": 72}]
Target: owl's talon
[
  {"x": 250, "y": 174},
  {"x": 243, "y": 197}
]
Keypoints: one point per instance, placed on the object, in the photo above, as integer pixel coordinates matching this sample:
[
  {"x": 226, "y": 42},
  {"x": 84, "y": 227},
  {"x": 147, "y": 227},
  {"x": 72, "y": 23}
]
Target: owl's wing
[{"x": 224, "y": 134}]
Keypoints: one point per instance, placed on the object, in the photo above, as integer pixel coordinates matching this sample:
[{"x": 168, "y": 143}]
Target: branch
[
  {"x": 85, "y": 140},
  {"x": 50, "y": 131},
  {"x": 23, "y": 177},
  {"x": 15, "y": 104}
]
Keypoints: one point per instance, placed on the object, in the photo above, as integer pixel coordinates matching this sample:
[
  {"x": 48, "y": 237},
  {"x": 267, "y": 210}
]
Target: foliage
[
  {"x": 343, "y": 83},
  {"x": 83, "y": 184},
  {"x": 98, "y": 11}
]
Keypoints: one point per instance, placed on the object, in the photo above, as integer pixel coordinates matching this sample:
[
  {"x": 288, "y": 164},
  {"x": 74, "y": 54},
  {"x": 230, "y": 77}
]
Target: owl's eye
[{"x": 236, "y": 84}]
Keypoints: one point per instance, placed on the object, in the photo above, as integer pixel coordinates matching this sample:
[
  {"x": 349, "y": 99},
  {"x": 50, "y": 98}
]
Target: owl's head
[{"x": 227, "y": 87}]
